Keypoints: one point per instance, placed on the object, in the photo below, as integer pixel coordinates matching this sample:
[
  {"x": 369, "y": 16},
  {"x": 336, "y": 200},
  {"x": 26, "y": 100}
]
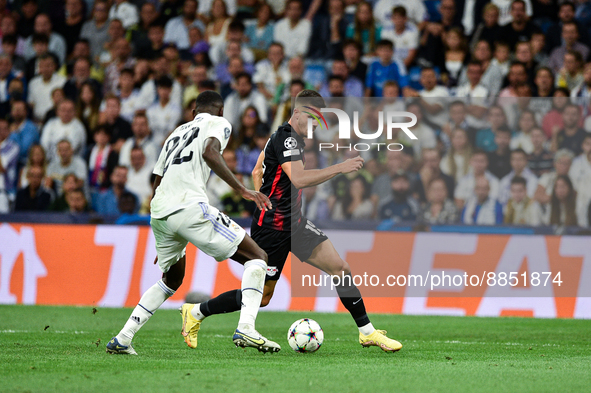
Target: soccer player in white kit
[{"x": 181, "y": 214}]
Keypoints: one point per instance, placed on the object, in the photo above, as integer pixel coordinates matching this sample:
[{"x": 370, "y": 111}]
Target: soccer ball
[{"x": 305, "y": 335}]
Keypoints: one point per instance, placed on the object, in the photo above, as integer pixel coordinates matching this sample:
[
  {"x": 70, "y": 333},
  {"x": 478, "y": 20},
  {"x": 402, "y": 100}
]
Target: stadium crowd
[{"x": 89, "y": 91}]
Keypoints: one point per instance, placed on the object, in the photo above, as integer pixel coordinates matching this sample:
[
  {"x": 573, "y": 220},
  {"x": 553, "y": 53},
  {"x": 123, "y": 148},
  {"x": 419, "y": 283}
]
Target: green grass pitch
[{"x": 62, "y": 349}]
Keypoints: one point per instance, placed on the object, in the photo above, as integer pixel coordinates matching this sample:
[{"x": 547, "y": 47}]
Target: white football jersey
[{"x": 181, "y": 165}]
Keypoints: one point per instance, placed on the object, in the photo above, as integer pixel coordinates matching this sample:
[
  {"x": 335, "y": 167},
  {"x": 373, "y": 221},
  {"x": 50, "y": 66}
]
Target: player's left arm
[{"x": 257, "y": 172}]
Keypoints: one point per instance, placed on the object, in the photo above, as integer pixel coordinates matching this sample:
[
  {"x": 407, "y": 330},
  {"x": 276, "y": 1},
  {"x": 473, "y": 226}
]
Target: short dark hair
[
  {"x": 519, "y": 180},
  {"x": 244, "y": 75},
  {"x": 207, "y": 100},
  {"x": 387, "y": 43},
  {"x": 164, "y": 81},
  {"x": 9, "y": 39},
  {"x": 399, "y": 10},
  {"x": 311, "y": 98},
  {"x": 504, "y": 129},
  {"x": 39, "y": 38},
  {"x": 236, "y": 25},
  {"x": 102, "y": 128}
]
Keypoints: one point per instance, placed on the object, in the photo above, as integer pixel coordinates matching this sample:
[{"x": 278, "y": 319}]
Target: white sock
[
  {"x": 151, "y": 300},
  {"x": 366, "y": 330},
  {"x": 253, "y": 281},
  {"x": 196, "y": 312}
]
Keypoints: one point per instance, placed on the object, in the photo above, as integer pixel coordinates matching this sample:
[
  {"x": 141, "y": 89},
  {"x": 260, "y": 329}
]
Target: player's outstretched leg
[
  {"x": 247, "y": 300},
  {"x": 150, "y": 301},
  {"x": 326, "y": 258}
]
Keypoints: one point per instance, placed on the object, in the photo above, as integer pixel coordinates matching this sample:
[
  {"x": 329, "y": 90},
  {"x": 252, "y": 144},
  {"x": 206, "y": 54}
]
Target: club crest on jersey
[
  {"x": 227, "y": 132},
  {"x": 271, "y": 271},
  {"x": 290, "y": 143}
]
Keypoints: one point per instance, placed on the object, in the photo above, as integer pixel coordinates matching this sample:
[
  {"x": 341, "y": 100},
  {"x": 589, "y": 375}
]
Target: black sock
[
  {"x": 226, "y": 302},
  {"x": 352, "y": 300}
]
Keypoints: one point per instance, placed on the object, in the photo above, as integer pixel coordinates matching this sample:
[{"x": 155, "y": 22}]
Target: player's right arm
[
  {"x": 302, "y": 178},
  {"x": 212, "y": 157}
]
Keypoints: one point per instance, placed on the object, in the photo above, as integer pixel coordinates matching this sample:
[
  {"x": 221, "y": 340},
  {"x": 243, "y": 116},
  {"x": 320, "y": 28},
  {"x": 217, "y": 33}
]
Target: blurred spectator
[
  {"x": 540, "y": 160},
  {"x": 57, "y": 96},
  {"x": 404, "y": 36},
  {"x": 572, "y": 135},
  {"x": 328, "y": 31},
  {"x": 400, "y": 206},
  {"x": 293, "y": 31},
  {"x": 439, "y": 208},
  {"x": 244, "y": 144},
  {"x": 164, "y": 115},
  {"x": 69, "y": 184},
  {"x": 582, "y": 93},
  {"x": 431, "y": 50},
  {"x": 433, "y": 98},
  {"x": 516, "y": 77},
  {"x": 260, "y": 33},
  {"x": 125, "y": 12},
  {"x": 481, "y": 208},
  {"x": 383, "y": 70},
  {"x": 570, "y": 76},
  {"x": 429, "y": 171},
  {"x": 121, "y": 59},
  {"x": 95, "y": 29},
  {"x": 119, "y": 128},
  {"x": 501, "y": 57},
  {"x": 35, "y": 157},
  {"x": 197, "y": 74},
  {"x": 383, "y": 9},
  {"x": 455, "y": 54},
  {"x": 519, "y": 169},
  {"x": 57, "y": 44},
  {"x": 219, "y": 53},
  {"x": 115, "y": 32},
  {"x": 562, "y": 162},
  {"x": 478, "y": 168},
  {"x": 87, "y": 108},
  {"x": 177, "y": 29},
  {"x": 520, "y": 209},
  {"x": 552, "y": 120},
  {"x": 8, "y": 47},
  {"x": 23, "y": 131},
  {"x": 64, "y": 126},
  {"x": 561, "y": 210},
  {"x": 476, "y": 97},
  {"x": 148, "y": 90},
  {"x": 381, "y": 189},
  {"x": 581, "y": 166},
  {"x": 520, "y": 27},
  {"x": 244, "y": 96},
  {"x": 8, "y": 26},
  {"x": 498, "y": 160},
  {"x": 272, "y": 71},
  {"x": 140, "y": 138},
  {"x": 488, "y": 29},
  {"x": 71, "y": 26},
  {"x": 65, "y": 163},
  {"x": 455, "y": 161},
  {"x": 76, "y": 201},
  {"x": 357, "y": 204},
  {"x": 570, "y": 38},
  {"x": 426, "y": 138},
  {"x": 128, "y": 94},
  {"x": 492, "y": 74},
  {"x": 138, "y": 175},
  {"x": 217, "y": 28},
  {"x": 554, "y": 34},
  {"x": 522, "y": 140},
  {"x": 541, "y": 102},
  {"x": 107, "y": 202},
  {"x": 42, "y": 86},
  {"x": 128, "y": 208},
  {"x": 352, "y": 56},
  {"x": 81, "y": 74},
  {"x": 352, "y": 86},
  {"x": 458, "y": 118},
  {"x": 140, "y": 34},
  {"x": 102, "y": 159},
  {"x": 9, "y": 153},
  {"x": 33, "y": 197},
  {"x": 6, "y": 77},
  {"x": 485, "y": 138}
]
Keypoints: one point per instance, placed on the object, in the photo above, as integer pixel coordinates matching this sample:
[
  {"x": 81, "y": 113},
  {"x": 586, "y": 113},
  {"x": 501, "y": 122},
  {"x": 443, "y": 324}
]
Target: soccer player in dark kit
[{"x": 280, "y": 175}]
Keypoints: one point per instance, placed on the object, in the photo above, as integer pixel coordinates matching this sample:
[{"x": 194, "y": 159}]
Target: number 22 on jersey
[{"x": 175, "y": 146}]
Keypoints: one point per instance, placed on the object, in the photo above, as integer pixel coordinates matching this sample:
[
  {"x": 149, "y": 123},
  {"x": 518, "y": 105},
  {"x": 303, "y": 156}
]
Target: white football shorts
[{"x": 210, "y": 230}]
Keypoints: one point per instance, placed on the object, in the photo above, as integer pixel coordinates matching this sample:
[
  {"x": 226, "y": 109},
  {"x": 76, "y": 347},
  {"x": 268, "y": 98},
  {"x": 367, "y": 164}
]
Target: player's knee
[
  {"x": 261, "y": 254},
  {"x": 341, "y": 268}
]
